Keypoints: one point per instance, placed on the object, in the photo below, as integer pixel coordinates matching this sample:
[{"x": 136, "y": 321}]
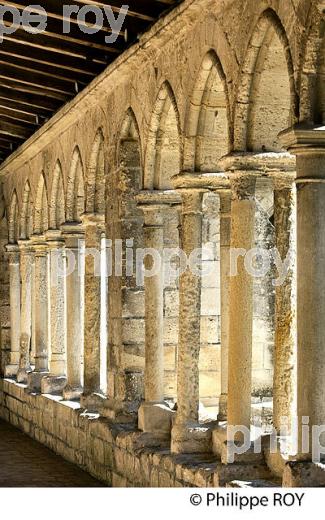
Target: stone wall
[{"x": 120, "y": 455}]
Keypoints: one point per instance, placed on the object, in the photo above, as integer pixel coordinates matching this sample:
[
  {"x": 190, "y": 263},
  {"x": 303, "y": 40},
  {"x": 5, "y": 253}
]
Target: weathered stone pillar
[
  {"x": 94, "y": 226},
  {"x": 154, "y": 414},
  {"x": 285, "y": 308},
  {"x": 14, "y": 274},
  {"x": 187, "y": 437},
  {"x": 56, "y": 380},
  {"x": 41, "y": 314},
  {"x": 309, "y": 147},
  {"x": 225, "y": 226},
  {"x": 241, "y": 303},
  {"x": 73, "y": 235},
  {"x": 26, "y": 266}
]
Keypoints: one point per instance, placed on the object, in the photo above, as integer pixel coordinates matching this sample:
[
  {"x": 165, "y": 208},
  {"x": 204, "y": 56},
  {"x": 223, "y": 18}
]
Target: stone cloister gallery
[{"x": 208, "y": 133}]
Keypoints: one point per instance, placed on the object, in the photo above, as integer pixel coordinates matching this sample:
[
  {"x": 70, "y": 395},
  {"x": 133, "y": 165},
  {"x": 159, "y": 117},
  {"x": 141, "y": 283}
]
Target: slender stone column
[
  {"x": 309, "y": 147},
  {"x": 285, "y": 308},
  {"x": 41, "y": 314},
  {"x": 73, "y": 235},
  {"x": 241, "y": 304},
  {"x": 26, "y": 266},
  {"x": 225, "y": 226},
  {"x": 187, "y": 436},
  {"x": 14, "y": 273},
  {"x": 154, "y": 414},
  {"x": 56, "y": 380},
  {"x": 94, "y": 226}
]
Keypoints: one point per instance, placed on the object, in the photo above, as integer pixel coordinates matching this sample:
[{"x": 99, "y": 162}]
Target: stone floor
[{"x": 26, "y": 463}]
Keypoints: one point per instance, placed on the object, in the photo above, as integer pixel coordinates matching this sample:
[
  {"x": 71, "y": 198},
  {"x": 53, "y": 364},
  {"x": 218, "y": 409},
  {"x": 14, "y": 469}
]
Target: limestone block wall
[{"x": 117, "y": 454}]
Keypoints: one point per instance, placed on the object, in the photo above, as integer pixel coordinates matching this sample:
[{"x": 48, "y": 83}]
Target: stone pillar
[
  {"x": 73, "y": 235},
  {"x": 56, "y": 380},
  {"x": 187, "y": 436},
  {"x": 14, "y": 273},
  {"x": 94, "y": 226},
  {"x": 26, "y": 267},
  {"x": 154, "y": 414},
  {"x": 309, "y": 147},
  {"x": 225, "y": 226},
  {"x": 285, "y": 308},
  {"x": 240, "y": 303},
  {"x": 41, "y": 297}
]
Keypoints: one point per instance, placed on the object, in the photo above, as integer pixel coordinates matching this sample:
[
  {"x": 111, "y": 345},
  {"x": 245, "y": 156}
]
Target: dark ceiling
[{"x": 41, "y": 72}]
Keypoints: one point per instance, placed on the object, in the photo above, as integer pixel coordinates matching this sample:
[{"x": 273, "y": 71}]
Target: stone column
[
  {"x": 225, "y": 226},
  {"x": 285, "y": 308},
  {"x": 26, "y": 266},
  {"x": 187, "y": 436},
  {"x": 94, "y": 226},
  {"x": 41, "y": 297},
  {"x": 73, "y": 235},
  {"x": 56, "y": 380},
  {"x": 154, "y": 414},
  {"x": 14, "y": 274},
  {"x": 240, "y": 303},
  {"x": 309, "y": 147}
]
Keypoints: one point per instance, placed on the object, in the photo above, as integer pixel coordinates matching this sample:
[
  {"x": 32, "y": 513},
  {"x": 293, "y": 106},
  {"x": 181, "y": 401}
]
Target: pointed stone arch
[
  {"x": 13, "y": 219},
  {"x": 208, "y": 120},
  {"x": 95, "y": 183},
  {"x": 267, "y": 102},
  {"x": 57, "y": 200},
  {"x": 26, "y": 216},
  {"x": 163, "y": 150},
  {"x": 75, "y": 189},
  {"x": 41, "y": 210}
]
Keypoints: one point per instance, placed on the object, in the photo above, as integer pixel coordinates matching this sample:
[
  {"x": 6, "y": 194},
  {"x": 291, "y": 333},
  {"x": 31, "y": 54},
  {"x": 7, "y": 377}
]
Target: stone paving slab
[{"x": 26, "y": 463}]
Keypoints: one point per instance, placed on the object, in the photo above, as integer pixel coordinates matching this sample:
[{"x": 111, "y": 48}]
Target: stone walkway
[{"x": 26, "y": 463}]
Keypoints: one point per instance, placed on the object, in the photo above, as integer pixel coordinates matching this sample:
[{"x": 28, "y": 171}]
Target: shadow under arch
[
  {"x": 41, "y": 209},
  {"x": 267, "y": 101},
  {"x": 75, "y": 197},
  {"x": 163, "y": 148},
  {"x": 208, "y": 127},
  {"x": 57, "y": 199},
  {"x": 26, "y": 217},
  {"x": 95, "y": 181},
  {"x": 13, "y": 219}
]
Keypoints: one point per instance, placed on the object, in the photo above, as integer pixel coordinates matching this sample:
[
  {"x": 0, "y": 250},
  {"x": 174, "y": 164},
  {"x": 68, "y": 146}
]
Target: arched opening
[
  {"x": 26, "y": 216},
  {"x": 41, "y": 213},
  {"x": 57, "y": 201},
  {"x": 208, "y": 136},
  {"x": 267, "y": 104},
  {"x": 95, "y": 188},
  {"x": 75, "y": 189},
  {"x": 95, "y": 203},
  {"x": 13, "y": 219},
  {"x": 163, "y": 153}
]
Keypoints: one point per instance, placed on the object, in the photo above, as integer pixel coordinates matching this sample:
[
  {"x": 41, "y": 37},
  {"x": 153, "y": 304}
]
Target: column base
[
  {"x": 53, "y": 384},
  {"x": 22, "y": 375},
  {"x": 303, "y": 474},
  {"x": 94, "y": 402},
  {"x": 72, "y": 393},
  {"x": 155, "y": 417},
  {"x": 11, "y": 370},
  {"x": 34, "y": 381},
  {"x": 121, "y": 411},
  {"x": 191, "y": 438},
  {"x": 223, "y": 402}
]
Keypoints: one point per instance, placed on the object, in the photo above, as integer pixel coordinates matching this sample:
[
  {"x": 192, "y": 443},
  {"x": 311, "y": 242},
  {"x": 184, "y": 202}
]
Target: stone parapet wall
[{"x": 118, "y": 454}]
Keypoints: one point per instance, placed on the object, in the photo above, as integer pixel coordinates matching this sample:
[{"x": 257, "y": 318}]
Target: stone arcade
[{"x": 207, "y": 132}]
